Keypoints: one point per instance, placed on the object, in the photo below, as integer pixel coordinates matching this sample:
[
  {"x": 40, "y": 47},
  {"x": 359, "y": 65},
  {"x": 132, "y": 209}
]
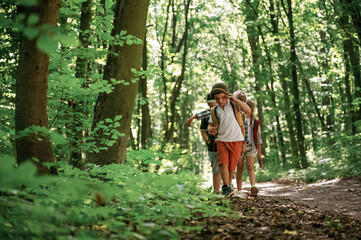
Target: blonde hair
[{"x": 240, "y": 95}]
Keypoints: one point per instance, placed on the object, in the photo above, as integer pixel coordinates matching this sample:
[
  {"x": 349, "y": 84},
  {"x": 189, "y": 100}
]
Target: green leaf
[
  {"x": 33, "y": 19},
  {"x": 46, "y": 44},
  {"x": 100, "y": 10},
  {"x": 31, "y": 33},
  {"x": 117, "y": 118},
  {"x": 108, "y": 4}
]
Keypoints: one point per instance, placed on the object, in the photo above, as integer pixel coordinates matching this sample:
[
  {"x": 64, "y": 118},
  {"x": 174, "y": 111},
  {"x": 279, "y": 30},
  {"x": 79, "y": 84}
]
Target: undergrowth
[
  {"x": 341, "y": 160},
  {"x": 109, "y": 202}
]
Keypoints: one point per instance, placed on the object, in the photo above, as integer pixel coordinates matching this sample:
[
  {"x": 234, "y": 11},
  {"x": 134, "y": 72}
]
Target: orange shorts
[{"x": 229, "y": 153}]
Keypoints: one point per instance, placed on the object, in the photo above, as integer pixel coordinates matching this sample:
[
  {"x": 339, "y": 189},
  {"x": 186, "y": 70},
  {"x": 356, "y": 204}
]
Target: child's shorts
[
  {"x": 248, "y": 152},
  {"x": 229, "y": 153},
  {"x": 213, "y": 158}
]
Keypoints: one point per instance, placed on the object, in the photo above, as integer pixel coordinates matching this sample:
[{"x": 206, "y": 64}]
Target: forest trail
[
  {"x": 290, "y": 210},
  {"x": 340, "y": 196}
]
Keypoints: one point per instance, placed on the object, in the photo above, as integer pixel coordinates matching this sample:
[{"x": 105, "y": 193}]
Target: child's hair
[
  {"x": 250, "y": 103},
  {"x": 240, "y": 95}
]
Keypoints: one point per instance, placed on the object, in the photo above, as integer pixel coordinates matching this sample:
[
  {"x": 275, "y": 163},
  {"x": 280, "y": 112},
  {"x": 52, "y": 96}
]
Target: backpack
[{"x": 237, "y": 115}]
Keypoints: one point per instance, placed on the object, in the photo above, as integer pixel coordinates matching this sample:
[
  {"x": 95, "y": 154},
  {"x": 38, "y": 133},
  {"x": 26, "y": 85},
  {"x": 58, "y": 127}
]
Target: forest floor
[{"x": 290, "y": 210}]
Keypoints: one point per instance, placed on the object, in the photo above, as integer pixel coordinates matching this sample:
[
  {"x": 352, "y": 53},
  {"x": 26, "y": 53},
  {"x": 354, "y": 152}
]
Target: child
[
  {"x": 254, "y": 141},
  {"x": 225, "y": 122},
  {"x": 212, "y": 147}
]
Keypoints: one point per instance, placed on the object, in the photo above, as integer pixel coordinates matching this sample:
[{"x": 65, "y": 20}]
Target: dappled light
[{"x": 180, "y": 119}]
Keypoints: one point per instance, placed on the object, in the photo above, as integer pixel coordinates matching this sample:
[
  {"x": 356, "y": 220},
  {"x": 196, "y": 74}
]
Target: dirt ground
[
  {"x": 289, "y": 210},
  {"x": 340, "y": 196}
]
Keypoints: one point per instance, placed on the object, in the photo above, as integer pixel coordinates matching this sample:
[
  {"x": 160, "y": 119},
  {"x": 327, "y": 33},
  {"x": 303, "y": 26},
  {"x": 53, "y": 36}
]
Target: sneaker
[
  {"x": 254, "y": 191},
  {"x": 240, "y": 194},
  {"x": 227, "y": 191}
]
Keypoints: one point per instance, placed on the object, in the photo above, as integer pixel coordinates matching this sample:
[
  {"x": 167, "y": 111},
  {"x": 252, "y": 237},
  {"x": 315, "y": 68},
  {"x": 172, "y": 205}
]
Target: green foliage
[
  {"x": 339, "y": 161},
  {"x": 114, "y": 200}
]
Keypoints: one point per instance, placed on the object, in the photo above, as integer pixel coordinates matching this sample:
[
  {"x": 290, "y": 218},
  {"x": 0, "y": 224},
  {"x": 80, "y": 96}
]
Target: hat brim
[{"x": 218, "y": 90}]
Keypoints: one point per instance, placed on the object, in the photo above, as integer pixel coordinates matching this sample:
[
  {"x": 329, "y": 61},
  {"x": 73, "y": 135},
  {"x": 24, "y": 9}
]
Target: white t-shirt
[{"x": 228, "y": 129}]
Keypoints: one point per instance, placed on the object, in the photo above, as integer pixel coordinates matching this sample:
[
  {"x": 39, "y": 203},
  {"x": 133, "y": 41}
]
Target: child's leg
[
  {"x": 235, "y": 149},
  {"x": 250, "y": 170},
  {"x": 239, "y": 173},
  {"x": 217, "y": 182},
  {"x": 224, "y": 173}
]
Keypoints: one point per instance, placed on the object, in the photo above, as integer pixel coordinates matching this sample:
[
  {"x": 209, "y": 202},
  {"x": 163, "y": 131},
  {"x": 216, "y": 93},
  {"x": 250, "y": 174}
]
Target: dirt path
[
  {"x": 342, "y": 197},
  {"x": 285, "y": 210}
]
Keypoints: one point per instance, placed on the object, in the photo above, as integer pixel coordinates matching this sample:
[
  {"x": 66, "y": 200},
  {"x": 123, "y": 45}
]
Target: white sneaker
[{"x": 240, "y": 194}]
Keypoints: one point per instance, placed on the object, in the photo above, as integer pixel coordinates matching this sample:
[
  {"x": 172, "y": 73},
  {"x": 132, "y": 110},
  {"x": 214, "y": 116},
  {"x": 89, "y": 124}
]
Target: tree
[
  {"x": 146, "y": 131},
  {"x": 130, "y": 16},
  {"x": 31, "y": 90},
  {"x": 295, "y": 91}
]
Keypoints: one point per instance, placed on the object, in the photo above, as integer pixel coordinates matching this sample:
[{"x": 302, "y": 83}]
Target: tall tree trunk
[
  {"x": 169, "y": 134},
  {"x": 352, "y": 9},
  {"x": 163, "y": 68},
  {"x": 146, "y": 131},
  {"x": 31, "y": 92},
  {"x": 253, "y": 40},
  {"x": 284, "y": 84},
  {"x": 131, "y": 16},
  {"x": 81, "y": 71},
  {"x": 295, "y": 91},
  {"x": 326, "y": 87},
  {"x": 347, "y": 43}
]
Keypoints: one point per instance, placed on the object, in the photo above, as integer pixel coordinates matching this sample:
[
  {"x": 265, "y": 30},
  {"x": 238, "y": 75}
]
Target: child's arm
[
  {"x": 205, "y": 136},
  {"x": 244, "y": 107},
  {"x": 259, "y": 152},
  {"x": 259, "y": 143},
  {"x": 198, "y": 116},
  {"x": 189, "y": 121}
]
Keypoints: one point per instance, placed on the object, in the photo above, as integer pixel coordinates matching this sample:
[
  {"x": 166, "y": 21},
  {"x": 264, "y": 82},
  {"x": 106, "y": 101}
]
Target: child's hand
[
  {"x": 213, "y": 130},
  {"x": 189, "y": 121},
  {"x": 243, "y": 148},
  {"x": 259, "y": 156},
  {"x": 232, "y": 98}
]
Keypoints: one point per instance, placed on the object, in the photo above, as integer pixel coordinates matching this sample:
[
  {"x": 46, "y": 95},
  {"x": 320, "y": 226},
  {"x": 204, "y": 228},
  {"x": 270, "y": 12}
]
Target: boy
[
  {"x": 212, "y": 147},
  {"x": 254, "y": 141},
  {"x": 230, "y": 138}
]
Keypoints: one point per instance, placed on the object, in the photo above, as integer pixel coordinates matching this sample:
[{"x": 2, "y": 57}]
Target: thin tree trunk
[
  {"x": 179, "y": 81},
  {"x": 162, "y": 67},
  {"x": 131, "y": 16},
  {"x": 352, "y": 9},
  {"x": 295, "y": 91},
  {"x": 283, "y": 76},
  {"x": 81, "y": 71},
  {"x": 31, "y": 92},
  {"x": 350, "y": 112},
  {"x": 146, "y": 131}
]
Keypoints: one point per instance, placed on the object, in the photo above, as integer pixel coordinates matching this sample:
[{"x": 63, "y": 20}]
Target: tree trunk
[
  {"x": 169, "y": 134},
  {"x": 146, "y": 131},
  {"x": 283, "y": 76},
  {"x": 352, "y": 9},
  {"x": 253, "y": 40},
  {"x": 131, "y": 16},
  {"x": 31, "y": 92},
  {"x": 326, "y": 87},
  {"x": 295, "y": 91},
  {"x": 81, "y": 71},
  {"x": 350, "y": 111}
]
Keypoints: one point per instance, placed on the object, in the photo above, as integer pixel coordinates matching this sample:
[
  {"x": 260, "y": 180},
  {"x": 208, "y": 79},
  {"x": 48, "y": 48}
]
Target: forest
[{"x": 95, "y": 96}]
